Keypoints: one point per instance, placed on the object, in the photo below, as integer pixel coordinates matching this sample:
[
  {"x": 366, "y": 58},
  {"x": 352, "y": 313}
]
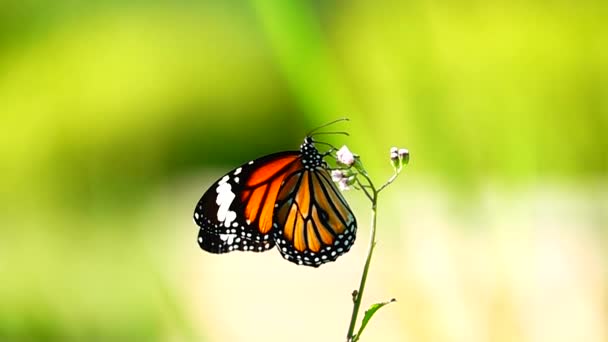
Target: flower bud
[
  {"x": 394, "y": 157},
  {"x": 404, "y": 156}
]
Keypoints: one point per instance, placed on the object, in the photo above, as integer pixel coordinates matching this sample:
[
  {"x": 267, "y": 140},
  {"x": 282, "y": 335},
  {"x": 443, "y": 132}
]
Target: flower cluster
[{"x": 344, "y": 177}]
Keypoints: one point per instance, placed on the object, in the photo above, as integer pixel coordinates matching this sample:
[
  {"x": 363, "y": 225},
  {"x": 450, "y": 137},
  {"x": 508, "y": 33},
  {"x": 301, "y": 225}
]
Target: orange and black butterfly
[{"x": 287, "y": 199}]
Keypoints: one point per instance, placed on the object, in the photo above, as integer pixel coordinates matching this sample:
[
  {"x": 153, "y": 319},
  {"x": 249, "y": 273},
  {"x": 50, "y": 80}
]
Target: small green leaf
[{"x": 368, "y": 315}]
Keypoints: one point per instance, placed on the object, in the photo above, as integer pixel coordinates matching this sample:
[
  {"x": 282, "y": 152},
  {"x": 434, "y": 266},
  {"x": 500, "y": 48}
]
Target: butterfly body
[{"x": 285, "y": 199}]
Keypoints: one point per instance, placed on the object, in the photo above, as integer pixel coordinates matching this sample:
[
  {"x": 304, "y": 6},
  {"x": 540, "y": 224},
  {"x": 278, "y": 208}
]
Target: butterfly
[{"x": 286, "y": 199}]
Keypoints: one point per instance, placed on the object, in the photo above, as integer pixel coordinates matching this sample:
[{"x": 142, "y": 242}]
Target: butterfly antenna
[
  {"x": 325, "y": 125},
  {"x": 320, "y": 133},
  {"x": 327, "y": 144}
]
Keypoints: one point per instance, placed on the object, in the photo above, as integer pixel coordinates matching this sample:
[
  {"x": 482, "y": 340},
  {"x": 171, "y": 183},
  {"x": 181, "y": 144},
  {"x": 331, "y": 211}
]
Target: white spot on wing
[
  {"x": 228, "y": 238},
  {"x": 224, "y": 199},
  {"x": 230, "y": 216},
  {"x": 237, "y": 171}
]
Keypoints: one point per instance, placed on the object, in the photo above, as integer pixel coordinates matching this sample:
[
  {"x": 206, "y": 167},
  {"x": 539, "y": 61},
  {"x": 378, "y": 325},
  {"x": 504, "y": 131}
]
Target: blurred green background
[{"x": 116, "y": 116}]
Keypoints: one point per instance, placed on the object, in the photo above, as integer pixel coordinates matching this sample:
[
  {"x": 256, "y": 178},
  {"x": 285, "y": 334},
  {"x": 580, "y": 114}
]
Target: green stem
[
  {"x": 359, "y": 296},
  {"x": 390, "y": 180},
  {"x": 373, "y": 197}
]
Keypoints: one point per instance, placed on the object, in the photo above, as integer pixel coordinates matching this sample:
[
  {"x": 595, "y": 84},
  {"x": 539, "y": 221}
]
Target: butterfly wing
[
  {"x": 236, "y": 212},
  {"x": 313, "y": 224}
]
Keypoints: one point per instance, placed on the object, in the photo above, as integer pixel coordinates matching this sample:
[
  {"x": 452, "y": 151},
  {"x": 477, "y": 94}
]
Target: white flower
[
  {"x": 337, "y": 175},
  {"x": 343, "y": 184},
  {"x": 345, "y": 156}
]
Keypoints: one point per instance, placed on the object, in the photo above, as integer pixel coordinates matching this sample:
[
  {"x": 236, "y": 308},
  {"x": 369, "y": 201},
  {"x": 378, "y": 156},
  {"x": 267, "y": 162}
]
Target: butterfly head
[{"x": 311, "y": 158}]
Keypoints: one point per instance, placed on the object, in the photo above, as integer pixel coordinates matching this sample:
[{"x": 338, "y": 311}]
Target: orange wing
[
  {"x": 261, "y": 190},
  {"x": 236, "y": 212},
  {"x": 313, "y": 222}
]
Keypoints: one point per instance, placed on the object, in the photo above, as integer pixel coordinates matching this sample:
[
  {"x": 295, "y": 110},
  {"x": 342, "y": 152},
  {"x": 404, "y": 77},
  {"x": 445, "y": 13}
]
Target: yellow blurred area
[{"x": 116, "y": 117}]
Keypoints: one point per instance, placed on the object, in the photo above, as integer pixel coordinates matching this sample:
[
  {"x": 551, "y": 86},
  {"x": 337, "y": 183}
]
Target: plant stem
[
  {"x": 373, "y": 197},
  {"x": 370, "y": 252},
  {"x": 390, "y": 180}
]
